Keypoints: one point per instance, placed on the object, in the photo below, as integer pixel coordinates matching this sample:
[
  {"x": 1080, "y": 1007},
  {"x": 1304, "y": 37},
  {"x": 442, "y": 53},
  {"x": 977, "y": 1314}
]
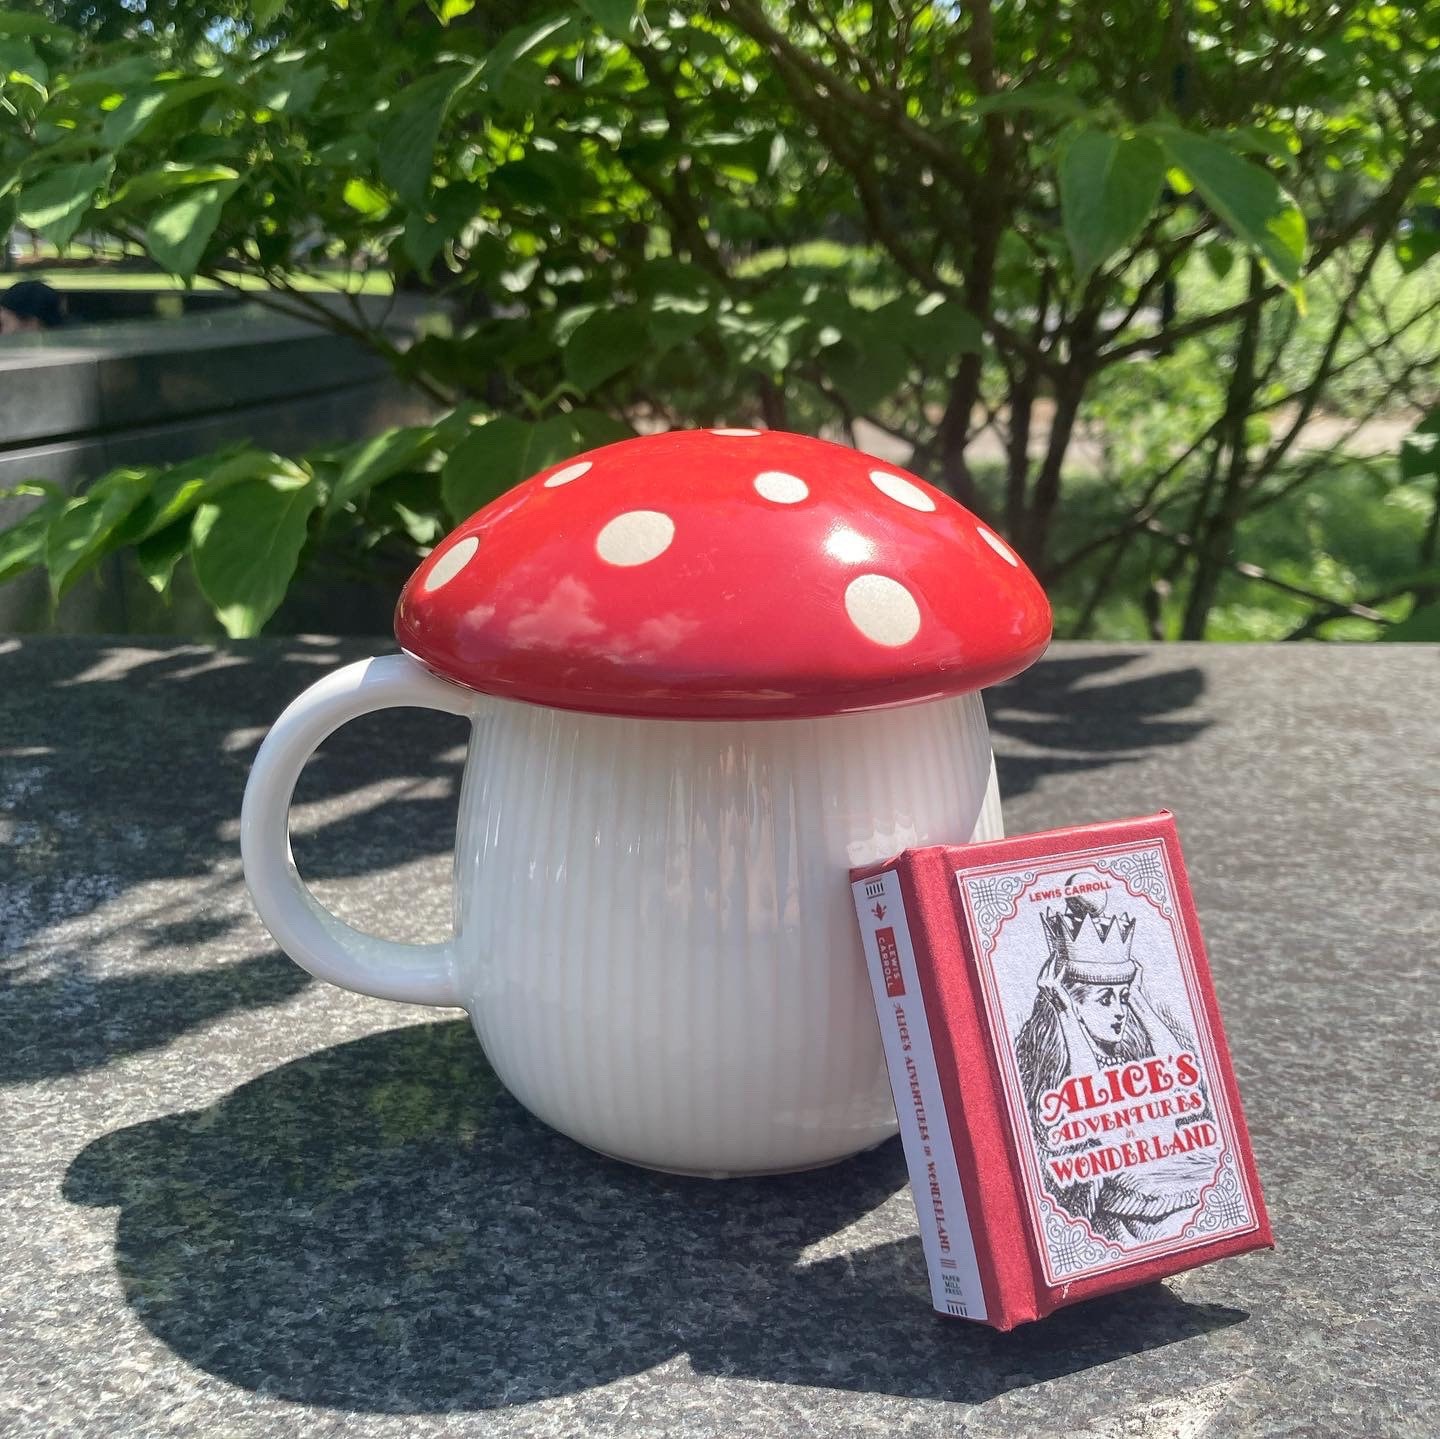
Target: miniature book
[{"x": 1065, "y": 1093}]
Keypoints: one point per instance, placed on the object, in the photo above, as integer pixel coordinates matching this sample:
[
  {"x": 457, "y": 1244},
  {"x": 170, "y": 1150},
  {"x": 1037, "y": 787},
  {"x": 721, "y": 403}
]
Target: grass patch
[
  {"x": 811, "y": 255},
  {"x": 1353, "y": 530},
  {"x": 1393, "y": 303},
  {"x": 375, "y": 282}
]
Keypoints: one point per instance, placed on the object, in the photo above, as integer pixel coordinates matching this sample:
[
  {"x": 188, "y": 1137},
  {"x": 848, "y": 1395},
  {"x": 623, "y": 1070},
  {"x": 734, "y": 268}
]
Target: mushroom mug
[{"x": 706, "y": 674}]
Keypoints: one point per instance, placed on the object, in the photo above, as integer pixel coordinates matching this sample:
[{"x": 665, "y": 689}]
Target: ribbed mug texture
[{"x": 655, "y": 935}]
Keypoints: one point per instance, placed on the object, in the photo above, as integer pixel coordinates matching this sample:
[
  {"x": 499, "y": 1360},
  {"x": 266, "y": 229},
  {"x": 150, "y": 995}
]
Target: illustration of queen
[{"x": 1092, "y": 1014}]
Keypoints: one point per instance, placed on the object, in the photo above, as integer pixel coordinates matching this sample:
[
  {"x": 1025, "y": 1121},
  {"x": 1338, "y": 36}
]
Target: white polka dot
[
  {"x": 783, "y": 489},
  {"x": 882, "y": 610},
  {"x": 734, "y": 432},
  {"x": 451, "y": 563},
  {"x": 906, "y": 492},
  {"x": 635, "y": 538},
  {"x": 570, "y": 472},
  {"x": 998, "y": 545}
]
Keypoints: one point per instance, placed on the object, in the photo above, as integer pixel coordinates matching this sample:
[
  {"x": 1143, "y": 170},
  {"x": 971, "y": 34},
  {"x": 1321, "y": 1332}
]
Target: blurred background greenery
[{"x": 1151, "y": 287}]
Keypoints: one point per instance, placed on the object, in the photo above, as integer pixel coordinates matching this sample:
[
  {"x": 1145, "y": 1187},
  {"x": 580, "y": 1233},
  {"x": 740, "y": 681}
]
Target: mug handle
[{"x": 313, "y": 937}]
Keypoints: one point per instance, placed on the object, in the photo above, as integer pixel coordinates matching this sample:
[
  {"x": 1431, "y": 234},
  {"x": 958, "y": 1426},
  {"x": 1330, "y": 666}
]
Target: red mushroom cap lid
[{"x": 723, "y": 574}]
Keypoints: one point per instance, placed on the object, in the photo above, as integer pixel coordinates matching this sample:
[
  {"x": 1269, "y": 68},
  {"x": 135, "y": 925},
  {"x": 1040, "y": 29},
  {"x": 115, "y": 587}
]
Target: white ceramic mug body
[{"x": 654, "y": 933}]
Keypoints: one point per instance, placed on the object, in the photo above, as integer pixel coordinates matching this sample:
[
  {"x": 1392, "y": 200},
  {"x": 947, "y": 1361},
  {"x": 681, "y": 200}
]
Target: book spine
[{"x": 925, "y": 1129}]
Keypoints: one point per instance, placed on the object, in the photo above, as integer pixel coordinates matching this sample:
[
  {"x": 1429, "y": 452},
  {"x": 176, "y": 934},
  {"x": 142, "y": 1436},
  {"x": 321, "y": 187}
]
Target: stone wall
[{"x": 79, "y": 401}]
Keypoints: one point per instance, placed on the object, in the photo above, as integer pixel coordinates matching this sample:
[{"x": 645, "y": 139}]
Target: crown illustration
[{"x": 1092, "y": 948}]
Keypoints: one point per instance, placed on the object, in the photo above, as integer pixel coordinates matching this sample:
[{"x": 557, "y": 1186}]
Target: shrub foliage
[{"x": 1039, "y": 246}]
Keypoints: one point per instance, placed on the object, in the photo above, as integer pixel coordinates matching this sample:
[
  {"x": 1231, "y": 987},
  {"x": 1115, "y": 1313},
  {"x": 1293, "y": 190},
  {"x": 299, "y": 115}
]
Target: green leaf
[
  {"x": 681, "y": 299},
  {"x": 934, "y": 329},
  {"x": 105, "y": 80},
  {"x": 264, "y": 12},
  {"x": 1420, "y": 449},
  {"x": 1422, "y": 624},
  {"x": 407, "y": 146},
  {"x": 87, "y": 529},
  {"x": 18, "y": 57},
  {"x": 28, "y": 80},
  {"x": 355, "y": 151},
  {"x": 364, "y": 198},
  {"x": 1108, "y": 190},
  {"x": 608, "y": 342},
  {"x": 1178, "y": 181},
  {"x": 866, "y": 372},
  {"x": 423, "y": 239},
  {"x": 246, "y": 546},
  {"x": 152, "y": 184},
  {"x": 12, "y": 22},
  {"x": 568, "y": 321},
  {"x": 377, "y": 459},
  {"x": 447, "y": 10},
  {"x": 130, "y": 117},
  {"x": 536, "y": 181},
  {"x": 39, "y": 488},
  {"x": 288, "y": 85},
  {"x": 1220, "y": 257},
  {"x": 1416, "y": 244},
  {"x": 176, "y": 492},
  {"x": 743, "y": 174},
  {"x": 674, "y": 319},
  {"x": 1249, "y": 200},
  {"x": 420, "y": 529},
  {"x": 1049, "y": 99},
  {"x": 56, "y": 205},
  {"x": 496, "y": 456},
  {"x": 134, "y": 115},
  {"x": 763, "y": 336},
  {"x": 22, "y": 545},
  {"x": 592, "y": 428},
  {"x": 516, "y": 44},
  {"x": 177, "y": 235},
  {"x": 1253, "y": 140},
  {"x": 615, "y": 17},
  {"x": 157, "y": 554}
]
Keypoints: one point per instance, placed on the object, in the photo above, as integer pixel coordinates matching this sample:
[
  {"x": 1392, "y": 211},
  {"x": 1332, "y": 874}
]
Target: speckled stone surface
[{"x": 240, "y": 1203}]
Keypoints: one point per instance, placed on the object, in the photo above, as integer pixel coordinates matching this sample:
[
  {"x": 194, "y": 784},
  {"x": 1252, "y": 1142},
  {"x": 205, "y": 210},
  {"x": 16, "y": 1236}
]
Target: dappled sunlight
[{"x": 95, "y": 814}]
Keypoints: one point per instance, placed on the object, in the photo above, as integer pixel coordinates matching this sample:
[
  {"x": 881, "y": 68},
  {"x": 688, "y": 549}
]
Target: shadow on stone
[
  {"x": 97, "y": 808},
  {"x": 1075, "y": 713},
  {"x": 380, "y": 1228},
  {"x": 93, "y": 813},
  {"x": 71, "y": 1023}
]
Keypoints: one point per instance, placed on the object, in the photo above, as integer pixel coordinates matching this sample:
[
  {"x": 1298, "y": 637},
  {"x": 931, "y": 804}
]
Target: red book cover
[{"x": 1066, "y": 1099}]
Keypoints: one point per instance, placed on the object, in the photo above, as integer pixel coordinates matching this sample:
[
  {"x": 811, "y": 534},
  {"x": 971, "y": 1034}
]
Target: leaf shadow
[
  {"x": 71, "y": 1022},
  {"x": 99, "y": 807},
  {"x": 1077, "y": 713}
]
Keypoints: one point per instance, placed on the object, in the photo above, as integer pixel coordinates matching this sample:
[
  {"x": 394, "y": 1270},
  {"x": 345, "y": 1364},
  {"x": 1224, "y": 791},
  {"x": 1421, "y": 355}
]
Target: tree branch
[
  {"x": 1363, "y": 609},
  {"x": 886, "y": 108},
  {"x": 1219, "y": 530},
  {"x": 1321, "y": 374},
  {"x": 1262, "y": 576},
  {"x": 1415, "y": 164},
  {"x": 680, "y": 206}
]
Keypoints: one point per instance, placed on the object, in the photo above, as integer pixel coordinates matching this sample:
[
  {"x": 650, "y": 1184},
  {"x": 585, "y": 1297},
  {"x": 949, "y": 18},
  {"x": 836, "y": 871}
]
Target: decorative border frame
[{"x": 1069, "y": 1248}]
